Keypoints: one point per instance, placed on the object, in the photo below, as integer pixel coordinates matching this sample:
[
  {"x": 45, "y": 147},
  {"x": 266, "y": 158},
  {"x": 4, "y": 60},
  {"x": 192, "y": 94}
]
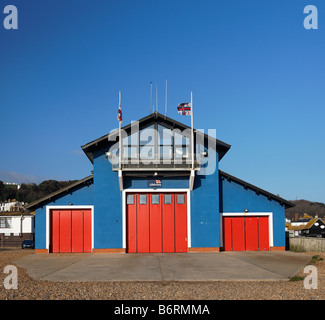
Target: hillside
[
  {"x": 30, "y": 192},
  {"x": 305, "y": 206}
]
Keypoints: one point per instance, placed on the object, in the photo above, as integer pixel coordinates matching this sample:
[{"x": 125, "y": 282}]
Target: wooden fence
[{"x": 307, "y": 244}]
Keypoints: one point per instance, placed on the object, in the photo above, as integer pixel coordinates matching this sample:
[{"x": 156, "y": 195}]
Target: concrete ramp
[{"x": 245, "y": 266}]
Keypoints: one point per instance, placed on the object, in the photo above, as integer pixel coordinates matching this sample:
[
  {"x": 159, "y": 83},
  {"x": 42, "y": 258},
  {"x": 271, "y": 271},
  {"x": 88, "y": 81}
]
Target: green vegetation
[
  {"x": 316, "y": 258},
  {"x": 296, "y": 278},
  {"x": 305, "y": 206},
  {"x": 30, "y": 192}
]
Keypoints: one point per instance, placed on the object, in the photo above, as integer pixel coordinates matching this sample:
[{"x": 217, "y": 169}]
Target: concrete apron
[{"x": 249, "y": 265}]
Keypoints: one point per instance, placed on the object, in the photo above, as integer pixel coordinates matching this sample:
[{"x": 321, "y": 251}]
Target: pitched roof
[
  {"x": 271, "y": 196},
  {"x": 88, "y": 148},
  {"x": 311, "y": 223},
  {"x": 40, "y": 201}
]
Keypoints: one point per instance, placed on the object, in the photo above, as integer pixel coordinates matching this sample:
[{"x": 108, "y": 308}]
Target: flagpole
[
  {"x": 192, "y": 133},
  {"x": 120, "y": 137}
]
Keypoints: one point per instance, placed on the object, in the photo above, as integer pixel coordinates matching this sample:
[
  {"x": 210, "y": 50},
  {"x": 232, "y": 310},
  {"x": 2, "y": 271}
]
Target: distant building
[
  {"x": 301, "y": 220},
  {"x": 11, "y": 206},
  {"x": 314, "y": 228},
  {"x": 13, "y": 184},
  {"x": 15, "y": 228}
]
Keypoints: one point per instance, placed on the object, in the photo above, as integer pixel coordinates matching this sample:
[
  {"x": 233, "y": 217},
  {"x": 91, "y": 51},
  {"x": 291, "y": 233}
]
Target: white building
[
  {"x": 7, "y": 206},
  {"x": 15, "y": 228}
]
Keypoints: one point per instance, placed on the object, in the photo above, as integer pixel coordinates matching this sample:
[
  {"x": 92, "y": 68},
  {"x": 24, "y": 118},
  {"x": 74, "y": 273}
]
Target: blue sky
[{"x": 256, "y": 73}]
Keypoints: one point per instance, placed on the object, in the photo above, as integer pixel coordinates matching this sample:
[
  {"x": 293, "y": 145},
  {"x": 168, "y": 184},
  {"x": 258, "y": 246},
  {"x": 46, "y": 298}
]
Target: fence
[{"x": 307, "y": 244}]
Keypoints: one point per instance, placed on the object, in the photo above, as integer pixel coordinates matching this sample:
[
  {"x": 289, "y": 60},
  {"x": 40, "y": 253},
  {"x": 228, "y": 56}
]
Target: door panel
[
  {"x": 87, "y": 239},
  {"x": 168, "y": 223},
  {"x": 180, "y": 223},
  {"x": 251, "y": 232},
  {"x": 143, "y": 223},
  {"x": 65, "y": 230},
  {"x": 238, "y": 233},
  {"x": 263, "y": 233},
  {"x": 131, "y": 201},
  {"x": 77, "y": 232},
  {"x": 55, "y": 231},
  {"x": 227, "y": 233},
  {"x": 155, "y": 223}
]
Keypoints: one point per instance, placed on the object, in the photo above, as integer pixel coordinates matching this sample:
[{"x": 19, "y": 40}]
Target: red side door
[{"x": 70, "y": 230}]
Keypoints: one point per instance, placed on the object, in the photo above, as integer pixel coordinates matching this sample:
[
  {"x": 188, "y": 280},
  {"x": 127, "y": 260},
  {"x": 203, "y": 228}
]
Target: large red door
[
  {"x": 246, "y": 233},
  {"x": 70, "y": 230},
  {"x": 156, "y": 222}
]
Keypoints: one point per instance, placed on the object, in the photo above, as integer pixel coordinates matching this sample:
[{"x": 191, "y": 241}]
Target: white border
[
  {"x": 188, "y": 209},
  {"x": 49, "y": 208},
  {"x": 245, "y": 214}
]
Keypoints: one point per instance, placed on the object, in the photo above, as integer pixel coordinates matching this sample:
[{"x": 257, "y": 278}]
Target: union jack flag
[{"x": 184, "y": 109}]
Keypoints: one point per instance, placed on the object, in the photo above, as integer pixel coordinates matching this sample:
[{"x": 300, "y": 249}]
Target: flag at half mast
[
  {"x": 119, "y": 113},
  {"x": 185, "y": 109}
]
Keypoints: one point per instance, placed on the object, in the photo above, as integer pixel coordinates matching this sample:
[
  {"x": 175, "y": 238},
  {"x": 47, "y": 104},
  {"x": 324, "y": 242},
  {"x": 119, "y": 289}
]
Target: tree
[{"x": 2, "y": 191}]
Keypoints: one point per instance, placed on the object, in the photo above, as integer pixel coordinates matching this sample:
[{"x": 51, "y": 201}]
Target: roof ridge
[{"x": 262, "y": 191}]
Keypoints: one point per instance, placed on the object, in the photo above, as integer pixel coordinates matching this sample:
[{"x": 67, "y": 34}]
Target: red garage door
[
  {"x": 156, "y": 222},
  {"x": 246, "y": 233},
  {"x": 70, "y": 230}
]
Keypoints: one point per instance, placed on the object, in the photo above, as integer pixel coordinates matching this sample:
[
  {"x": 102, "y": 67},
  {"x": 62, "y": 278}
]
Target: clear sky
[{"x": 256, "y": 73}]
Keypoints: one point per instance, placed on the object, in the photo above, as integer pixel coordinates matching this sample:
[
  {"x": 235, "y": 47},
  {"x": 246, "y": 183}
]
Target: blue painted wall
[
  {"x": 108, "y": 225},
  {"x": 166, "y": 182},
  {"x": 235, "y": 198},
  {"x": 82, "y": 195},
  {"x": 205, "y": 205}
]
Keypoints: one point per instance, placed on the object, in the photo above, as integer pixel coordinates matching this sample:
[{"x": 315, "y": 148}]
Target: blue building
[{"x": 149, "y": 192}]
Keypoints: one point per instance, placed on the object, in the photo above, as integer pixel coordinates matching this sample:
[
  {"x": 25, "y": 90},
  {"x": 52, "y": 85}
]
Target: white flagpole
[
  {"x": 120, "y": 137},
  {"x": 192, "y": 133}
]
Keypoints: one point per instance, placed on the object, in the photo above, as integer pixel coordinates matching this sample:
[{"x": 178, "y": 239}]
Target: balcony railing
[{"x": 155, "y": 164}]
